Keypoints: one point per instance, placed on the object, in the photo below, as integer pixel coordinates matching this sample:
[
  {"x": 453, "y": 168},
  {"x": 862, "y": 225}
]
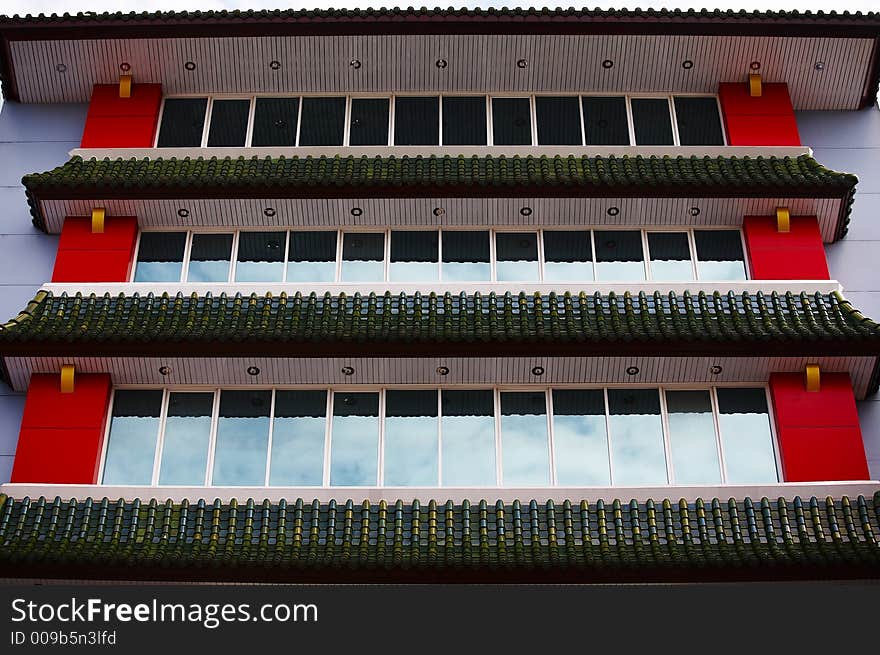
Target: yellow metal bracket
[
  {"x": 67, "y": 375},
  {"x": 783, "y": 219},
  {"x": 812, "y": 373},
  {"x": 98, "y": 220},
  {"x": 125, "y": 86},
  {"x": 755, "y": 85}
]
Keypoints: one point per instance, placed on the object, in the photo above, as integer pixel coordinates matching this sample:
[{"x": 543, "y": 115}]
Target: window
[
  {"x": 605, "y": 121},
  {"x": 322, "y": 122},
  {"x": 260, "y": 257},
  {"x": 619, "y": 255},
  {"x": 210, "y": 255},
  {"x": 160, "y": 257},
  {"x": 456, "y": 437},
  {"x": 720, "y": 255},
  {"x": 312, "y": 257},
  {"x": 416, "y": 121},
  {"x": 466, "y": 256},
  {"x": 568, "y": 256},
  {"x": 511, "y": 121},
  {"x": 363, "y": 257},
  {"x": 651, "y": 122},
  {"x": 229, "y": 123},
  {"x": 558, "y": 120},
  {"x": 369, "y": 122},
  {"x": 698, "y": 121},
  {"x": 183, "y": 123},
  {"x": 275, "y": 122},
  {"x": 670, "y": 256},
  {"x": 517, "y": 256},
  {"x": 464, "y": 121},
  {"x": 414, "y": 256}
]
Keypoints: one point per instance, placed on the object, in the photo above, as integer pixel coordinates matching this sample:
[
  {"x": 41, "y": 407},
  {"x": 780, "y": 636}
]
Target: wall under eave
[
  {"x": 850, "y": 141},
  {"x": 32, "y": 138}
]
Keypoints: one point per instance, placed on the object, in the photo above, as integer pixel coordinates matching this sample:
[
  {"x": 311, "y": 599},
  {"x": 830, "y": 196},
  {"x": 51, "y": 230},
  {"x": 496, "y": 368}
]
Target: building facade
[{"x": 440, "y": 295}]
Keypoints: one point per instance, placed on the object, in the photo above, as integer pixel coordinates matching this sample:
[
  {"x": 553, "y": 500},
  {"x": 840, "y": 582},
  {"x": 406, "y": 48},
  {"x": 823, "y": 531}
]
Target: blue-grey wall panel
[
  {"x": 32, "y": 138},
  {"x": 850, "y": 141}
]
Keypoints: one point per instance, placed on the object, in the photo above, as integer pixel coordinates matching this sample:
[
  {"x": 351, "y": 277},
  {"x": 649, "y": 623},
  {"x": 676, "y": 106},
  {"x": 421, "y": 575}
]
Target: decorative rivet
[
  {"x": 526, "y": 211},
  {"x": 190, "y": 65},
  {"x": 269, "y": 211},
  {"x": 687, "y": 64},
  {"x": 356, "y": 211},
  {"x": 538, "y": 370},
  {"x": 61, "y": 68},
  {"x": 355, "y": 63},
  {"x": 442, "y": 370},
  {"x": 819, "y": 65},
  {"x": 441, "y": 63},
  {"x": 522, "y": 63},
  {"x": 695, "y": 211},
  {"x": 125, "y": 67},
  {"x": 612, "y": 211},
  {"x": 755, "y": 65},
  {"x": 347, "y": 370},
  {"x": 716, "y": 369},
  {"x": 632, "y": 370},
  {"x": 274, "y": 64},
  {"x": 183, "y": 213},
  {"x": 164, "y": 370},
  {"x": 253, "y": 370},
  {"x": 439, "y": 211},
  {"x": 607, "y": 63}
]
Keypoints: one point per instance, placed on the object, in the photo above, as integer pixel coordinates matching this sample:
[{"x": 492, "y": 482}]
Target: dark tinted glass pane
[
  {"x": 416, "y": 121},
  {"x": 618, "y": 246},
  {"x": 698, "y": 121},
  {"x": 578, "y": 402},
  {"x": 369, "y": 122},
  {"x": 605, "y": 121},
  {"x": 652, "y": 122},
  {"x": 356, "y": 404},
  {"x": 511, "y": 122},
  {"x": 260, "y": 257},
  {"x": 245, "y": 404},
  {"x": 323, "y": 122},
  {"x": 209, "y": 258},
  {"x": 559, "y": 121},
  {"x": 465, "y": 246},
  {"x": 720, "y": 255},
  {"x": 299, "y": 404},
  {"x": 633, "y": 401},
  {"x": 145, "y": 404},
  {"x": 669, "y": 246},
  {"x": 275, "y": 122},
  {"x": 411, "y": 246},
  {"x": 183, "y": 121},
  {"x": 229, "y": 119},
  {"x": 312, "y": 246},
  {"x": 363, "y": 246},
  {"x": 464, "y": 121},
  {"x": 410, "y": 403},
  {"x": 567, "y": 246},
  {"x": 160, "y": 257},
  {"x": 517, "y": 246},
  {"x": 742, "y": 401},
  {"x": 468, "y": 403}
]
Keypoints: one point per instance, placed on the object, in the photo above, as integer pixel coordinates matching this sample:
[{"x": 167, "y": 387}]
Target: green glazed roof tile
[
  {"x": 760, "y": 538},
  {"x": 408, "y": 176}
]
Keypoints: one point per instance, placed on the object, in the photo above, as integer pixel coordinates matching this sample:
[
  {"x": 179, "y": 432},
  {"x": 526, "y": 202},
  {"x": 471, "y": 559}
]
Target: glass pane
[
  {"x": 275, "y": 122},
  {"x": 637, "y": 451},
  {"x": 369, "y": 122},
  {"x": 605, "y": 121},
  {"x": 517, "y": 256},
  {"x": 209, "y": 258},
  {"x": 416, "y": 121},
  {"x": 229, "y": 121},
  {"x": 568, "y": 255},
  {"x": 698, "y": 121},
  {"x": 323, "y": 122},
  {"x": 652, "y": 122},
  {"x": 187, "y": 435},
  {"x": 312, "y": 257},
  {"x": 720, "y": 255},
  {"x": 260, "y": 257},
  {"x": 160, "y": 257},
  {"x": 363, "y": 257},
  {"x": 414, "y": 256},
  {"x": 511, "y": 122},
  {"x": 354, "y": 444},
  {"x": 183, "y": 121},
  {"x": 619, "y": 255},
  {"x": 692, "y": 438},
  {"x": 559, "y": 121},
  {"x": 468, "y": 438},
  {"x": 411, "y": 439},
  {"x": 466, "y": 256},
  {"x": 670, "y": 256},
  {"x": 298, "y": 435},
  {"x": 242, "y": 438},
  {"x": 525, "y": 449},
  {"x": 464, "y": 121},
  {"x": 746, "y": 437},
  {"x": 580, "y": 437},
  {"x": 134, "y": 431}
]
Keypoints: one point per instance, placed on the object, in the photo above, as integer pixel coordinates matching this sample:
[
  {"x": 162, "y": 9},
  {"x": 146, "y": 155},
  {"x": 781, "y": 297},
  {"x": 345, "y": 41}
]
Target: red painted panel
[
  {"x": 92, "y": 266},
  {"x": 764, "y": 130},
  {"x": 62, "y": 434},
  {"x": 120, "y": 233},
  {"x": 736, "y": 99},
  {"x": 119, "y": 132},
  {"x": 818, "y": 432},
  {"x": 46, "y": 407},
  {"x": 795, "y": 255},
  {"x": 57, "y": 456},
  {"x": 144, "y": 101}
]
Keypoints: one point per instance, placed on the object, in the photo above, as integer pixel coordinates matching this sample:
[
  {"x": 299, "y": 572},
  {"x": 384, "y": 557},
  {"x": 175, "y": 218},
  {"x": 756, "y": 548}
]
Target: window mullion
[
  {"x": 249, "y": 132},
  {"x": 212, "y": 444},
  {"x": 499, "y": 470},
  {"x": 299, "y": 112},
  {"x": 630, "y": 122},
  {"x": 160, "y": 437},
  {"x": 439, "y": 438},
  {"x": 716, "y": 421},
  {"x": 328, "y": 427},
  {"x": 268, "y": 468},
  {"x": 207, "y": 127},
  {"x": 380, "y": 475},
  {"x": 674, "y": 120},
  {"x": 548, "y": 394},
  {"x": 187, "y": 255},
  {"x": 608, "y": 436},
  {"x": 667, "y": 447}
]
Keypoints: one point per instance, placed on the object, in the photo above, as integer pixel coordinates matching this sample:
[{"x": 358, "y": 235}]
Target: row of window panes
[
  {"x": 448, "y": 437},
  {"x": 440, "y": 120},
  {"x": 435, "y": 255}
]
